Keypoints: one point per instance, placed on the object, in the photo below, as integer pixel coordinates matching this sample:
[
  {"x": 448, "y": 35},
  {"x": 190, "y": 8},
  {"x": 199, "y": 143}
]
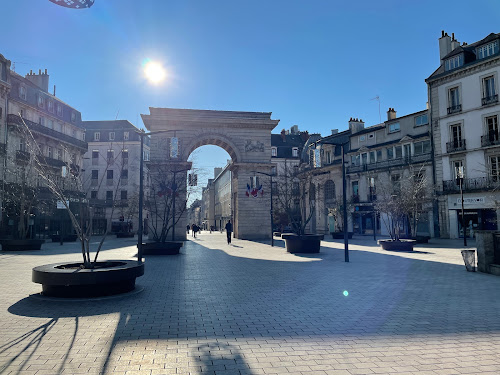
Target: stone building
[
  {"x": 223, "y": 197},
  {"x": 463, "y": 97},
  {"x": 111, "y": 170},
  {"x": 57, "y": 129}
]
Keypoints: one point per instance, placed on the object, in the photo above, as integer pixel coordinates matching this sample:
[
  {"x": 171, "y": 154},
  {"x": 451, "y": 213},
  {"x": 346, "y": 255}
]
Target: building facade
[
  {"x": 111, "y": 169},
  {"x": 463, "y": 97}
]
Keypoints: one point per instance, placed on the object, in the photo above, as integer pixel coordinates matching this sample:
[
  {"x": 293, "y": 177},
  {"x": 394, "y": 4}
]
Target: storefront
[{"x": 480, "y": 213}]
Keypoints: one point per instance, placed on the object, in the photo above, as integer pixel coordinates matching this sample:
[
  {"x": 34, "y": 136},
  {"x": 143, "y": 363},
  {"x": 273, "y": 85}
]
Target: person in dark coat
[
  {"x": 188, "y": 227},
  {"x": 229, "y": 230}
]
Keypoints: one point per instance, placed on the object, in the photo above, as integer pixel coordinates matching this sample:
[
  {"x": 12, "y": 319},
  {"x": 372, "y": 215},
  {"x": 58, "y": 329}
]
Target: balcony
[
  {"x": 56, "y": 163},
  {"x": 489, "y": 99},
  {"x": 422, "y": 158},
  {"x": 23, "y": 156},
  {"x": 101, "y": 202},
  {"x": 492, "y": 139},
  {"x": 454, "y": 109},
  {"x": 40, "y": 129},
  {"x": 455, "y": 146},
  {"x": 472, "y": 184}
]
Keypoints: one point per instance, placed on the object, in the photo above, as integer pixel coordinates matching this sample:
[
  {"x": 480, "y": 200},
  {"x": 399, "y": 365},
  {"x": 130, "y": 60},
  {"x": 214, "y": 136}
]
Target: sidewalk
[{"x": 249, "y": 308}]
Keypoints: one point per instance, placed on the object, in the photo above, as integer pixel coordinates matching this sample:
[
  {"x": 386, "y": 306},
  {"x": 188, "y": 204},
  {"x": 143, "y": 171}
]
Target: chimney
[
  {"x": 294, "y": 129},
  {"x": 40, "y": 79},
  {"x": 335, "y": 131},
  {"x": 356, "y": 125},
  {"x": 304, "y": 135},
  {"x": 391, "y": 114},
  {"x": 283, "y": 134},
  {"x": 444, "y": 45},
  {"x": 454, "y": 43}
]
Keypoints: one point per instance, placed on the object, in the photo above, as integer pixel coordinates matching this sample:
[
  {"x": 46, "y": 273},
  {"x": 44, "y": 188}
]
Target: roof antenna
[
  {"x": 377, "y": 98},
  {"x": 116, "y": 118}
]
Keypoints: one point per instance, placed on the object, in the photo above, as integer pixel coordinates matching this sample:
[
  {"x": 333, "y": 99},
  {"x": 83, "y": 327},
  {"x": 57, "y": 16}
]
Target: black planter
[
  {"x": 401, "y": 245},
  {"x": 161, "y": 248},
  {"x": 307, "y": 243},
  {"x": 340, "y": 235},
  {"x": 125, "y": 234},
  {"x": 21, "y": 245},
  {"x": 68, "y": 280},
  {"x": 67, "y": 238}
]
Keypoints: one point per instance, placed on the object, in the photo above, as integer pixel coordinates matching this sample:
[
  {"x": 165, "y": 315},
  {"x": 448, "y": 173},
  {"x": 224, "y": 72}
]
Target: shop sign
[{"x": 477, "y": 200}]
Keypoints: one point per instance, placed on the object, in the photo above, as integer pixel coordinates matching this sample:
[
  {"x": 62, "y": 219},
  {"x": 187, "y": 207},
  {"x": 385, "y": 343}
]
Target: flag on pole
[{"x": 75, "y": 4}]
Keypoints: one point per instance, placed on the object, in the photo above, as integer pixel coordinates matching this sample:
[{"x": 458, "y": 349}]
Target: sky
[{"x": 313, "y": 63}]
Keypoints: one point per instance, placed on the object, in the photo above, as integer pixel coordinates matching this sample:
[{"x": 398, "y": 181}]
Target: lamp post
[
  {"x": 344, "y": 203},
  {"x": 460, "y": 177},
  {"x": 270, "y": 175},
  {"x": 140, "y": 229}
]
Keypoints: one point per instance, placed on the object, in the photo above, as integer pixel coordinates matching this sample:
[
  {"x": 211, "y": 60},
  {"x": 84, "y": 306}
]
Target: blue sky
[{"x": 312, "y": 63}]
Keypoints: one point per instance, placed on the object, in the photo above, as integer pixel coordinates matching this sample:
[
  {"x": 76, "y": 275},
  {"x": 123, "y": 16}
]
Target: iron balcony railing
[
  {"x": 489, "y": 99},
  {"x": 456, "y": 145},
  {"x": 22, "y": 155},
  {"x": 491, "y": 139},
  {"x": 472, "y": 184},
  {"x": 40, "y": 129},
  {"x": 454, "y": 109},
  {"x": 422, "y": 158}
]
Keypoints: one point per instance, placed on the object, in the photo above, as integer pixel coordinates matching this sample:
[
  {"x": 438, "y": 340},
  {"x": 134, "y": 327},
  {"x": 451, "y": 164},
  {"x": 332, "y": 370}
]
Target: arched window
[
  {"x": 329, "y": 190},
  {"x": 312, "y": 192}
]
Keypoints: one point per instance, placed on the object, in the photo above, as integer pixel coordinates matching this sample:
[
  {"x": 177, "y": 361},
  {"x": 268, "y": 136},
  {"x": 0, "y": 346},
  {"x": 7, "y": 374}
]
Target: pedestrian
[
  {"x": 188, "y": 228},
  {"x": 229, "y": 230},
  {"x": 192, "y": 230}
]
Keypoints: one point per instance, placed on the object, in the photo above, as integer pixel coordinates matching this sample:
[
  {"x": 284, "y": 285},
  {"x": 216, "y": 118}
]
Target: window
[
  {"x": 390, "y": 153},
  {"x": 396, "y": 181},
  {"x": 328, "y": 157},
  {"x": 50, "y": 124},
  {"x": 41, "y": 120},
  {"x": 109, "y": 195},
  {"x": 394, "y": 127},
  {"x": 59, "y": 154},
  {"x": 97, "y": 136},
  {"x": 399, "y": 152},
  {"x": 83, "y": 136},
  {"x": 59, "y": 110},
  {"x": 487, "y": 50},
  {"x": 454, "y": 100},
  {"x": 492, "y": 126},
  {"x": 421, "y": 120},
  {"x": 93, "y": 194},
  {"x": 22, "y": 92},
  {"x": 124, "y": 154},
  {"x": 123, "y": 195},
  {"x": 423, "y": 147},
  {"x": 126, "y": 136},
  {"x": 364, "y": 158},
  {"x": 73, "y": 117},
  {"x": 379, "y": 155},
  {"x": 274, "y": 171},
  {"x": 95, "y": 154},
  {"x": 329, "y": 190},
  {"x": 95, "y": 174},
  {"x": 295, "y": 152},
  {"x": 49, "y": 152},
  {"x": 124, "y": 174},
  {"x": 22, "y": 144},
  {"x": 456, "y": 133},
  {"x": 312, "y": 192},
  {"x": 274, "y": 151},
  {"x": 111, "y": 136},
  {"x": 109, "y": 174},
  {"x": 355, "y": 188},
  {"x": 489, "y": 91},
  {"x": 73, "y": 159},
  {"x": 50, "y": 106},
  {"x": 362, "y": 138},
  {"x": 455, "y": 166},
  {"x": 370, "y": 136},
  {"x": 372, "y": 157},
  {"x": 355, "y": 159},
  {"x": 146, "y": 156},
  {"x": 454, "y": 62},
  {"x": 41, "y": 101}
]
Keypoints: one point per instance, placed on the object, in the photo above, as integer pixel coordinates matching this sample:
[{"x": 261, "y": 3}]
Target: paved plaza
[{"x": 249, "y": 308}]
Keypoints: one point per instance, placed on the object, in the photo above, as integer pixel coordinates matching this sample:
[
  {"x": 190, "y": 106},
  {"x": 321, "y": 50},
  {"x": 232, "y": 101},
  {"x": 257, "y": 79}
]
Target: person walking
[
  {"x": 188, "y": 228},
  {"x": 229, "y": 230},
  {"x": 192, "y": 230}
]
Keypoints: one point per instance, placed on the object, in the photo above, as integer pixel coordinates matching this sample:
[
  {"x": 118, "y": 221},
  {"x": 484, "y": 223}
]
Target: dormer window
[
  {"x": 50, "y": 106},
  {"x": 295, "y": 152},
  {"x": 274, "y": 151},
  {"x": 454, "y": 62},
  {"x": 73, "y": 117},
  {"x": 487, "y": 50},
  {"x": 22, "y": 92},
  {"x": 41, "y": 101},
  {"x": 59, "y": 110},
  {"x": 394, "y": 127}
]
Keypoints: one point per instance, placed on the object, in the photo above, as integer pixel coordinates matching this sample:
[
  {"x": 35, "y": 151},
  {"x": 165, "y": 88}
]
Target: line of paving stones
[{"x": 249, "y": 308}]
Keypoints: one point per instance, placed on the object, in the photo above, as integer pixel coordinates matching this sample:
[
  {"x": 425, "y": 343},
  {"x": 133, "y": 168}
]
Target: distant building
[
  {"x": 463, "y": 97},
  {"x": 112, "y": 172}
]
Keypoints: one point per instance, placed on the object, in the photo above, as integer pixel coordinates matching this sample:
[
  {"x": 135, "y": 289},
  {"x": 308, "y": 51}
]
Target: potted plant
[
  {"x": 296, "y": 198},
  {"x": 165, "y": 207},
  {"x": 76, "y": 278},
  {"x": 400, "y": 205}
]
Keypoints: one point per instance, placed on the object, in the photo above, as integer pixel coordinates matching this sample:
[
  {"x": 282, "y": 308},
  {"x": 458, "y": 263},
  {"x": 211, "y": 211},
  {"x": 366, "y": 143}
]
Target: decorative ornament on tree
[{"x": 75, "y": 4}]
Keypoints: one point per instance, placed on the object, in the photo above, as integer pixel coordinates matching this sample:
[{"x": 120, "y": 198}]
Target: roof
[
  {"x": 108, "y": 124},
  {"x": 285, "y": 143},
  {"x": 416, "y": 136}
]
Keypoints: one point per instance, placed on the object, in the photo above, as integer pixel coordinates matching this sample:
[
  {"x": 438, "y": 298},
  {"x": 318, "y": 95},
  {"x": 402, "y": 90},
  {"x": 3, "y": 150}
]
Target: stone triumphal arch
[{"x": 246, "y": 136}]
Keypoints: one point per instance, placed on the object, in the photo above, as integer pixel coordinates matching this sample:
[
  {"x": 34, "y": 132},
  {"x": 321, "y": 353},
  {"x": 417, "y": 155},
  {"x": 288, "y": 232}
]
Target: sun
[{"x": 154, "y": 72}]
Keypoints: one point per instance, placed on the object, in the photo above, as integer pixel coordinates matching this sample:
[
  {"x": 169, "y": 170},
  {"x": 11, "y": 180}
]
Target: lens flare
[
  {"x": 346, "y": 293},
  {"x": 154, "y": 71}
]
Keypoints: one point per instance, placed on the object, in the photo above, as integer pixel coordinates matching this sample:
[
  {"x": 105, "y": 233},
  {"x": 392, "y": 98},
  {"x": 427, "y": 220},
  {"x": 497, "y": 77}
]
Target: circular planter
[
  {"x": 340, "y": 235},
  {"x": 401, "y": 245},
  {"x": 69, "y": 280},
  {"x": 21, "y": 245},
  {"x": 161, "y": 248},
  {"x": 307, "y": 243}
]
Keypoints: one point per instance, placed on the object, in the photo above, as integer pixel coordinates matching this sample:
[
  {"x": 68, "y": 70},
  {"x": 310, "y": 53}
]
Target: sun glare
[{"x": 154, "y": 72}]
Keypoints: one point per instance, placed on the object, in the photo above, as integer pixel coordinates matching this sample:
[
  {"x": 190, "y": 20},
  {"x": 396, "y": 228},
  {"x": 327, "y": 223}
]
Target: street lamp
[
  {"x": 344, "y": 203},
  {"x": 140, "y": 230},
  {"x": 459, "y": 171},
  {"x": 270, "y": 175}
]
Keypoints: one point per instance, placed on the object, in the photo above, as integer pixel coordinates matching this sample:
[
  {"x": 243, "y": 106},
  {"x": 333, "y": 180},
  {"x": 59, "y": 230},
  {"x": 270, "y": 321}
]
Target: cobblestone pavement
[{"x": 249, "y": 308}]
